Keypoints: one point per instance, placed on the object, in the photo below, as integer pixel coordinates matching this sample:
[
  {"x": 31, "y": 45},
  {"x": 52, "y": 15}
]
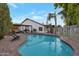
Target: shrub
[
  {"x": 34, "y": 30},
  {"x": 5, "y": 20}
]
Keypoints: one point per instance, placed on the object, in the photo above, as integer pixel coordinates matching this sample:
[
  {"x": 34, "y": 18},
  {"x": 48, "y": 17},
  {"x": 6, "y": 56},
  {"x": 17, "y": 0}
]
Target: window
[{"x": 40, "y": 28}]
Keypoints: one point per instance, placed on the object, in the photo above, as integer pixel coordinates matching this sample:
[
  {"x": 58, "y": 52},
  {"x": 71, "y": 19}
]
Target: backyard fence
[{"x": 69, "y": 31}]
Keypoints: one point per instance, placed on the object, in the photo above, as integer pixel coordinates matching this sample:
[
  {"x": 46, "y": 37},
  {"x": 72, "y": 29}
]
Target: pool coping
[
  {"x": 73, "y": 43},
  {"x": 25, "y": 35},
  {"x": 21, "y": 44}
]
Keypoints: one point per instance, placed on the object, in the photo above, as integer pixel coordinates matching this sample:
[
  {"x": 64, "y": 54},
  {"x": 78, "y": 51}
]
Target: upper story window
[{"x": 40, "y": 28}]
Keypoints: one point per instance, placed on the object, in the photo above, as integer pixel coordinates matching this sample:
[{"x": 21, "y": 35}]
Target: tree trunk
[{"x": 55, "y": 25}]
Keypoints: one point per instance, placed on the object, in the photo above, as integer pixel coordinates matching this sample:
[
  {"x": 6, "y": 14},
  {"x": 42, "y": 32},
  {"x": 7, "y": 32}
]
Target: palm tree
[{"x": 53, "y": 15}]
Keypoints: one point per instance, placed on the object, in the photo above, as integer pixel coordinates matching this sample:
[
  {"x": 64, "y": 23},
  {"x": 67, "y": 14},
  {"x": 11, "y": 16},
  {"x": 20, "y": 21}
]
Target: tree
[
  {"x": 5, "y": 19},
  {"x": 70, "y": 13},
  {"x": 53, "y": 15}
]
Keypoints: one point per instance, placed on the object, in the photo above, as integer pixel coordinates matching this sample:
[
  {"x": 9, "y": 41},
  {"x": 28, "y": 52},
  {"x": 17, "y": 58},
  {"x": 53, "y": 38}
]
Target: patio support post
[{"x": 31, "y": 28}]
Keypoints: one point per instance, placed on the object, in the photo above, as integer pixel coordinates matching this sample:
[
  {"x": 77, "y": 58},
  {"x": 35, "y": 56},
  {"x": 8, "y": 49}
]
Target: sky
[{"x": 35, "y": 11}]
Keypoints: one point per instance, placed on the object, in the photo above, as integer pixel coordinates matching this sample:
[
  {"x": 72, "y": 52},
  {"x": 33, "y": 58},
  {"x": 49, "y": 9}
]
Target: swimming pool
[{"x": 45, "y": 45}]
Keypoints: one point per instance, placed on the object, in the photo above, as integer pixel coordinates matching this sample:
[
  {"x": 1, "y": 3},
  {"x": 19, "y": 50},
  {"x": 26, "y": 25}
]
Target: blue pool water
[{"x": 45, "y": 45}]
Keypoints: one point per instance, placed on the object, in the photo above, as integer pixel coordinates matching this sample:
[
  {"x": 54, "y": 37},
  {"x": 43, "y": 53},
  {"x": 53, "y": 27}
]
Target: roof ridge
[{"x": 31, "y": 20}]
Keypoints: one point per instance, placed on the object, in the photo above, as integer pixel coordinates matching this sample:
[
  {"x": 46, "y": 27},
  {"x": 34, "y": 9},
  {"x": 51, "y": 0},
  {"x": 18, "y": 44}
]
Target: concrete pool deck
[{"x": 9, "y": 48}]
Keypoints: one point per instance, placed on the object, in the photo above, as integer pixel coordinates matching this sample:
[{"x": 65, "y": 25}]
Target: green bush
[
  {"x": 34, "y": 30},
  {"x": 5, "y": 20}
]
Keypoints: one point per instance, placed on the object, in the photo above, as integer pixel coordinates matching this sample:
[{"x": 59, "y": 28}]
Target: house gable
[
  {"x": 27, "y": 19},
  {"x": 35, "y": 25}
]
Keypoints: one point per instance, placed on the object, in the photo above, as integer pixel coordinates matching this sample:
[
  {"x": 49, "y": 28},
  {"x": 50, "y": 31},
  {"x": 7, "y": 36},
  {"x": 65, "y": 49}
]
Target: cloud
[
  {"x": 39, "y": 18},
  {"x": 13, "y": 5},
  {"x": 32, "y": 13},
  {"x": 36, "y": 17},
  {"x": 19, "y": 19}
]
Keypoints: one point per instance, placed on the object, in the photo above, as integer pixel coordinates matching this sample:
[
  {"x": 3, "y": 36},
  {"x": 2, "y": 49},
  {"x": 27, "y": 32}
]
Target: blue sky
[{"x": 35, "y": 11}]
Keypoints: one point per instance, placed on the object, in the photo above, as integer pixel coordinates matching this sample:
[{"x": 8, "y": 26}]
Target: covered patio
[{"x": 20, "y": 27}]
